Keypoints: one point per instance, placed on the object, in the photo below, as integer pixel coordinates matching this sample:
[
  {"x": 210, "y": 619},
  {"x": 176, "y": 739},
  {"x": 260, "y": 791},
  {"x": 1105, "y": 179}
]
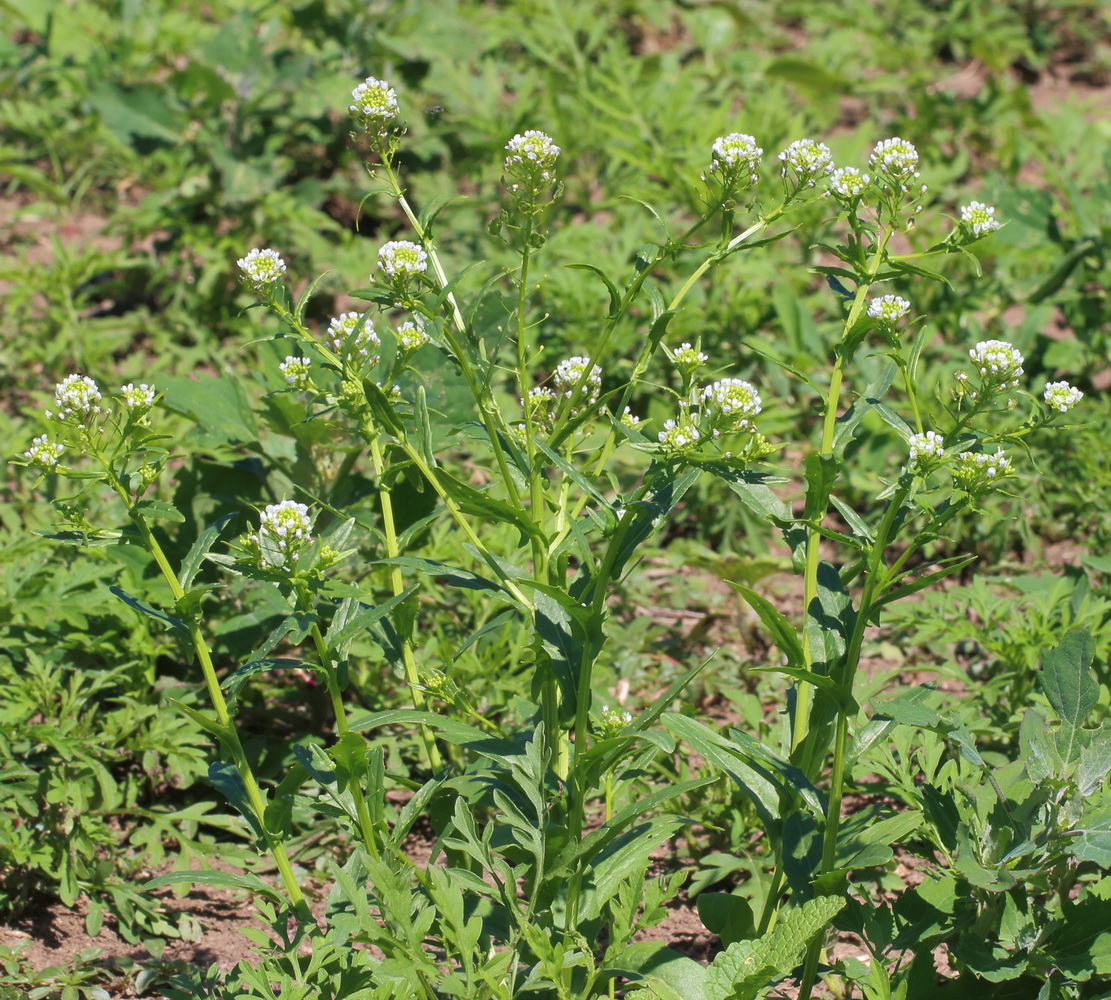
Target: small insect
[{"x": 434, "y": 109}]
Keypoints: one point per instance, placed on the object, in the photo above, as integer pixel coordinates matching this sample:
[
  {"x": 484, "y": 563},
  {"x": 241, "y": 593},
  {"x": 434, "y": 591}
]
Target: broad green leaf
[
  {"x": 358, "y": 617},
  {"x": 1039, "y": 750},
  {"x": 1067, "y": 681},
  {"x": 157, "y": 510},
  {"x": 219, "y": 406},
  {"x": 821, "y": 474},
  {"x": 782, "y": 632},
  {"x": 1093, "y": 839},
  {"x": 1095, "y": 760},
  {"x": 227, "y": 779},
  {"x": 480, "y": 504},
  {"x": 744, "y": 969},
  {"x": 729, "y": 917},
  {"x": 650, "y": 963},
  {"x": 451, "y": 730}
]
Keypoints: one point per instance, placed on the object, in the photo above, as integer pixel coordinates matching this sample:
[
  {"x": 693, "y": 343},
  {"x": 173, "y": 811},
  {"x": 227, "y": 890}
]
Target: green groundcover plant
[{"x": 553, "y": 475}]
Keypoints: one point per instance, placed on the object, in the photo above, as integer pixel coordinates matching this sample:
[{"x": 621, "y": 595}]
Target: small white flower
[
  {"x": 532, "y": 157},
  {"x": 925, "y": 450},
  {"x": 137, "y": 398},
  {"x": 630, "y": 420},
  {"x": 897, "y": 159},
  {"x": 849, "y": 184},
  {"x": 77, "y": 398},
  {"x": 1061, "y": 396},
  {"x": 999, "y": 364},
  {"x": 736, "y": 155},
  {"x": 980, "y": 218},
  {"x": 688, "y": 359},
  {"x": 373, "y": 105},
  {"x": 888, "y": 309},
  {"x": 402, "y": 260},
  {"x": 678, "y": 436},
  {"x": 410, "y": 338},
  {"x": 261, "y": 268},
  {"x": 284, "y": 530},
  {"x": 570, "y": 372},
  {"x": 732, "y": 402},
  {"x": 809, "y": 160},
  {"x": 43, "y": 452},
  {"x": 344, "y": 340},
  {"x": 296, "y": 372}
]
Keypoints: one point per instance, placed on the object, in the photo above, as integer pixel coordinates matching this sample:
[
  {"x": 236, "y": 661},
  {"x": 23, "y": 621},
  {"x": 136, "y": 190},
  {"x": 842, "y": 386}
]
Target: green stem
[
  {"x": 397, "y": 584},
  {"x": 366, "y": 827},
  {"x": 230, "y": 738}
]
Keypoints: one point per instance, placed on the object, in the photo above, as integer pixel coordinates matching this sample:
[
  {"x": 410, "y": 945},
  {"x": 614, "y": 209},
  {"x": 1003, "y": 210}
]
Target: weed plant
[{"x": 456, "y": 443}]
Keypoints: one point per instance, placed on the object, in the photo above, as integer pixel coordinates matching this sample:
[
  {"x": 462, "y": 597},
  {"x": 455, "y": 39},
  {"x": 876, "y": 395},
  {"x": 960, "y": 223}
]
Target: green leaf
[
  {"x": 483, "y": 505},
  {"x": 1093, "y": 839},
  {"x": 782, "y": 632},
  {"x": 668, "y": 974},
  {"x": 227, "y": 779},
  {"x": 151, "y": 612},
  {"x": 1067, "y": 681},
  {"x": 744, "y": 969},
  {"x": 194, "y": 558},
  {"x": 451, "y": 730},
  {"x": 157, "y": 510},
  {"x": 355, "y": 617},
  {"x": 808, "y": 75},
  {"x": 729, "y": 917},
  {"x": 223, "y": 880},
  {"x": 1095, "y": 761},
  {"x": 219, "y": 406},
  {"x": 615, "y": 295}
]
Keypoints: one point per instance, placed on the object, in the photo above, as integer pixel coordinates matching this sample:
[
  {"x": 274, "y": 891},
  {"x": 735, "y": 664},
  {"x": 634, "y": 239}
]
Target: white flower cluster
[
  {"x": 43, "y": 452},
  {"x": 980, "y": 218},
  {"x": 344, "y": 340},
  {"x": 613, "y": 722},
  {"x": 296, "y": 372},
  {"x": 410, "y": 338},
  {"x": 897, "y": 159},
  {"x": 808, "y": 159},
  {"x": 999, "y": 364},
  {"x": 678, "y": 436},
  {"x": 977, "y": 472},
  {"x": 284, "y": 530},
  {"x": 571, "y": 371},
  {"x": 374, "y": 105},
  {"x": 1061, "y": 396},
  {"x": 925, "y": 450},
  {"x": 630, "y": 420},
  {"x": 689, "y": 360},
  {"x": 77, "y": 398},
  {"x": 848, "y": 184},
  {"x": 888, "y": 309},
  {"x": 734, "y": 155},
  {"x": 732, "y": 402},
  {"x": 137, "y": 398},
  {"x": 261, "y": 268},
  {"x": 402, "y": 260},
  {"x": 532, "y": 157}
]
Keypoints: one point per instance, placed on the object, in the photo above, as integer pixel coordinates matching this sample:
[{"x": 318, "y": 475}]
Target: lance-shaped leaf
[{"x": 1067, "y": 681}]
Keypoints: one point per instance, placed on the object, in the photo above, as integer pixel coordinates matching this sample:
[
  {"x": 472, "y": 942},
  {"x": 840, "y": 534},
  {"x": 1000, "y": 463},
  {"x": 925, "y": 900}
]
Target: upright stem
[
  {"x": 397, "y": 584},
  {"x": 230, "y": 737}
]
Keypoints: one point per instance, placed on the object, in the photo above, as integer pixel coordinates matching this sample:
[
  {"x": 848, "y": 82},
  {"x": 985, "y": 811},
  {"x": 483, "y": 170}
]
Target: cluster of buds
[
  {"x": 349, "y": 339},
  {"x": 849, "y": 186},
  {"x": 1061, "y": 397},
  {"x": 43, "y": 452},
  {"x": 927, "y": 451},
  {"x": 735, "y": 163},
  {"x": 284, "y": 532},
  {"x": 679, "y": 435},
  {"x": 613, "y": 723},
  {"x": 296, "y": 373},
  {"x": 999, "y": 365},
  {"x": 530, "y": 163},
  {"x": 410, "y": 339},
  {"x": 570, "y": 373},
  {"x": 401, "y": 261},
  {"x": 807, "y": 160},
  {"x": 730, "y": 405},
  {"x": 979, "y": 473},
  {"x": 688, "y": 359},
  {"x": 374, "y": 107},
  {"x": 261, "y": 268}
]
